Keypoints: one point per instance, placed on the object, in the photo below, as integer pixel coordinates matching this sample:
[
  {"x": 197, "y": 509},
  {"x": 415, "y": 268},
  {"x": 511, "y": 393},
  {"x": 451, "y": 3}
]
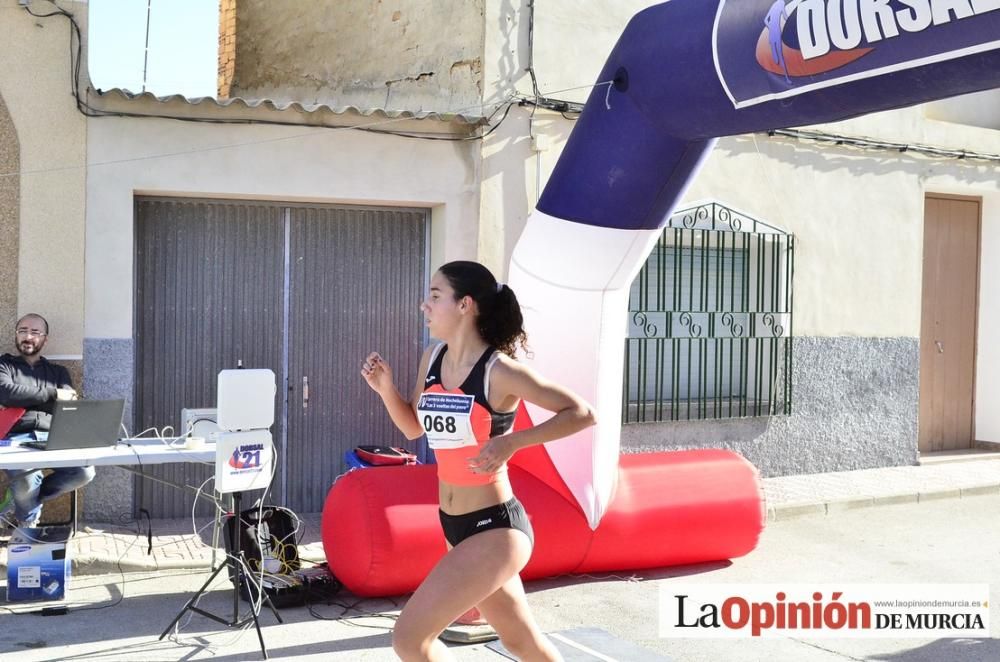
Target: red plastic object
[
  {"x": 381, "y": 530},
  {"x": 382, "y": 535},
  {"x": 678, "y": 508},
  {"x": 9, "y": 416},
  {"x": 381, "y": 456}
]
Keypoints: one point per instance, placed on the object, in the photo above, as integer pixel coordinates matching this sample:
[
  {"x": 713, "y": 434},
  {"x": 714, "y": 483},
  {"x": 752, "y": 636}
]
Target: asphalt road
[{"x": 945, "y": 541}]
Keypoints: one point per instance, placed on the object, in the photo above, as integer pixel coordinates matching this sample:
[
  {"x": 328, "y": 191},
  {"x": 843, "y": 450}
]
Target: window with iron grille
[{"x": 710, "y": 321}]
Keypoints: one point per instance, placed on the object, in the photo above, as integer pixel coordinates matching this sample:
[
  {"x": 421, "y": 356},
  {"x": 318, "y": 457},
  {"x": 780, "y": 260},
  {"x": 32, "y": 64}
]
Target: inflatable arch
[{"x": 684, "y": 73}]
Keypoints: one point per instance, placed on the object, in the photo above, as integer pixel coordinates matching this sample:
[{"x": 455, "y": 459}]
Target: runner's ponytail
[{"x": 499, "y": 322}]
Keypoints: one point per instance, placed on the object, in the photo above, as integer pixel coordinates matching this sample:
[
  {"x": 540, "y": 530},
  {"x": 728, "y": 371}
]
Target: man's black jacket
[{"x": 31, "y": 387}]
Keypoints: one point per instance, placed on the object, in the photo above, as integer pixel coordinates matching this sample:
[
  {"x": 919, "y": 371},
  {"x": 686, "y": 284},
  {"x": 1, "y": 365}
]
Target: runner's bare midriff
[{"x": 461, "y": 499}]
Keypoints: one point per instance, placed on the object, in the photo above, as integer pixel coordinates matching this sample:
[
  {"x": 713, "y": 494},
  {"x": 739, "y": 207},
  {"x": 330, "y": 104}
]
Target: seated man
[{"x": 28, "y": 380}]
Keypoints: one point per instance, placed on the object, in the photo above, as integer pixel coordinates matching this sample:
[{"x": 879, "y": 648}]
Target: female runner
[{"x": 468, "y": 388}]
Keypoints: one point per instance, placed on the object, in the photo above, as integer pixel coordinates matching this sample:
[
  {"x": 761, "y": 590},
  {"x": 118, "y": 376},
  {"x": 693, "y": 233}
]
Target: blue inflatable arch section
[
  {"x": 687, "y": 71},
  {"x": 684, "y": 73}
]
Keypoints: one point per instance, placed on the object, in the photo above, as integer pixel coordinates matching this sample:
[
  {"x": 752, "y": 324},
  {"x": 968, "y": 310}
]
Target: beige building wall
[
  {"x": 858, "y": 219},
  {"x": 796, "y": 185},
  {"x": 132, "y": 157},
  {"x": 404, "y": 54},
  {"x": 857, "y": 215},
  {"x": 568, "y": 48},
  {"x": 10, "y": 224},
  {"x": 981, "y": 109},
  {"x": 987, "y": 425},
  {"x": 36, "y": 88}
]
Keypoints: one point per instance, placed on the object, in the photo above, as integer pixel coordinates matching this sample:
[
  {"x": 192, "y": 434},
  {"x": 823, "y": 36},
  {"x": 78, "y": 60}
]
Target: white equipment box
[{"x": 246, "y": 400}]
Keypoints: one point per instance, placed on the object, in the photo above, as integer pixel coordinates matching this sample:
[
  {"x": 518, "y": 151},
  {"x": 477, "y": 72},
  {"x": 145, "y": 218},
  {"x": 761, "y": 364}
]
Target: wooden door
[{"x": 948, "y": 324}]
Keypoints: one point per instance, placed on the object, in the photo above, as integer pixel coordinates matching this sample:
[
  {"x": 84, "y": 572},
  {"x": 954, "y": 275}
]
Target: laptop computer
[{"x": 83, "y": 424}]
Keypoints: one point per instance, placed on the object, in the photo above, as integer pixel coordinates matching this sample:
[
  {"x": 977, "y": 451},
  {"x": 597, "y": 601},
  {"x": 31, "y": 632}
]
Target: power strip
[{"x": 300, "y": 587}]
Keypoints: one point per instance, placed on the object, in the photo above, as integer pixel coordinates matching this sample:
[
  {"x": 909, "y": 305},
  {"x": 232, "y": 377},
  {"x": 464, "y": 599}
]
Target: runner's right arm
[{"x": 403, "y": 413}]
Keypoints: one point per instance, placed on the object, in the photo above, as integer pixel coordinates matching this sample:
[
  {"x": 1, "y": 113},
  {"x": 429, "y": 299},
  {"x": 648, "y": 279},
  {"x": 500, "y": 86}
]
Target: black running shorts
[{"x": 508, "y": 515}]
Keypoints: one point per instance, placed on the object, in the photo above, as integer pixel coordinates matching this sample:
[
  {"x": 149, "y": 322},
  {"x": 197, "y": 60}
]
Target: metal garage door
[{"x": 303, "y": 290}]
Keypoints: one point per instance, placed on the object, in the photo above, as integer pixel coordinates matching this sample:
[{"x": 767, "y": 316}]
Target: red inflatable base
[{"x": 382, "y": 535}]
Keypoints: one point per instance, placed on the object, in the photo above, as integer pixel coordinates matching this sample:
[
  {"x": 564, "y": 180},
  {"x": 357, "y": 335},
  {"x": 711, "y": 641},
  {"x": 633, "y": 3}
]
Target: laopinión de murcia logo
[{"x": 908, "y": 610}]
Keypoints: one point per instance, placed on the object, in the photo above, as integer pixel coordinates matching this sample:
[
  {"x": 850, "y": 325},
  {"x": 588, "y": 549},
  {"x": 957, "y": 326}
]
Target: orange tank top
[{"x": 459, "y": 422}]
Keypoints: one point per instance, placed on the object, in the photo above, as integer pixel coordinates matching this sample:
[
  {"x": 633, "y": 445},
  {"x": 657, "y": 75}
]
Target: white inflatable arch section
[{"x": 573, "y": 282}]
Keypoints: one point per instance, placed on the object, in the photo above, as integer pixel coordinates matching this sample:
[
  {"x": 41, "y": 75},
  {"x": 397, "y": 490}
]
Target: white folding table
[
  {"x": 142, "y": 450},
  {"x": 128, "y": 453}
]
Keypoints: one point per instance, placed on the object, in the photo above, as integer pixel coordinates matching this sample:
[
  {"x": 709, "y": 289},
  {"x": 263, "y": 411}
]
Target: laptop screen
[{"x": 85, "y": 424}]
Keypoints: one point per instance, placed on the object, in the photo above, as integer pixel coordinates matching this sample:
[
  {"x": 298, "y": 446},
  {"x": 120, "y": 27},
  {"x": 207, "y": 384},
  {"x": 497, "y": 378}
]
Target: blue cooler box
[
  {"x": 38, "y": 566},
  {"x": 352, "y": 461}
]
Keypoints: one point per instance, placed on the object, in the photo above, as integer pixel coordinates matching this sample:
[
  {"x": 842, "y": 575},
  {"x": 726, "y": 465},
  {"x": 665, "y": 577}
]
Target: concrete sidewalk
[
  {"x": 104, "y": 548},
  {"x": 941, "y": 476}
]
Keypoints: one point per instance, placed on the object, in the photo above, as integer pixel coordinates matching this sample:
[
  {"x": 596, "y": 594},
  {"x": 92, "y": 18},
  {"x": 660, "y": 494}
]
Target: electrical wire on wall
[
  {"x": 839, "y": 140},
  {"x": 538, "y": 101},
  {"x": 90, "y": 111},
  {"x": 502, "y": 109},
  {"x": 534, "y": 88}
]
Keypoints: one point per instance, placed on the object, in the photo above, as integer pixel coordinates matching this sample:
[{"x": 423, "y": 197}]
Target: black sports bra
[{"x": 476, "y": 385}]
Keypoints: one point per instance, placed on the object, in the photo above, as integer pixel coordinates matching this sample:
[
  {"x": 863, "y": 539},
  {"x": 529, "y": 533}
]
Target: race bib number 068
[
  {"x": 440, "y": 423},
  {"x": 446, "y": 418}
]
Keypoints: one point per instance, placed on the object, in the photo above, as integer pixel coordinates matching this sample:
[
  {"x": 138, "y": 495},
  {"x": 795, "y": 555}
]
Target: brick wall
[{"x": 227, "y": 47}]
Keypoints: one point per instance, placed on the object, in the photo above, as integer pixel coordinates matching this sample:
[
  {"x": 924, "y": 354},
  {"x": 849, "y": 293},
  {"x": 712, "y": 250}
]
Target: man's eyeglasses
[{"x": 30, "y": 333}]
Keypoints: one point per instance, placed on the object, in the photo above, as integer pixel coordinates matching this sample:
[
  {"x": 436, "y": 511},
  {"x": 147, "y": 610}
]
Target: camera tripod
[{"x": 236, "y": 563}]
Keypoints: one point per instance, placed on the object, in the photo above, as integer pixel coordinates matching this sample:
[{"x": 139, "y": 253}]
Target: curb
[
  {"x": 102, "y": 564},
  {"x": 784, "y": 512}
]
